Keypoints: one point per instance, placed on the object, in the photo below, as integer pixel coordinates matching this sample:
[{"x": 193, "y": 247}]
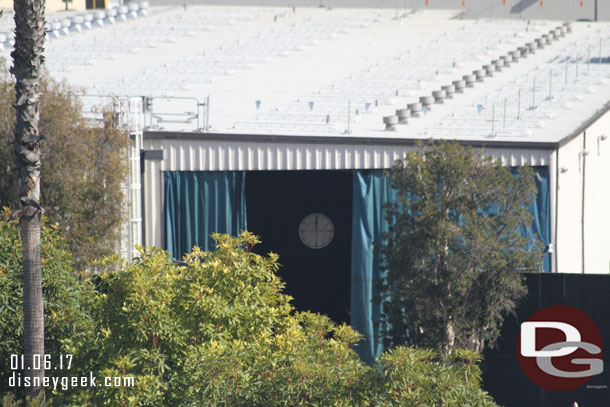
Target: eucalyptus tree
[{"x": 454, "y": 251}]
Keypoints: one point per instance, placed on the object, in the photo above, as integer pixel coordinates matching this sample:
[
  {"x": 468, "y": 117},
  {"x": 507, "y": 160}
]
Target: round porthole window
[{"x": 316, "y": 231}]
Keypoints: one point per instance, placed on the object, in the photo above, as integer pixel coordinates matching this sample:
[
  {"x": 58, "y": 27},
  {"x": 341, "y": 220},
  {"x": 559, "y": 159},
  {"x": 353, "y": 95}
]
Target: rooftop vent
[
  {"x": 77, "y": 24},
  {"x": 460, "y": 84},
  {"x": 403, "y": 115},
  {"x": 122, "y": 13},
  {"x": 99, "y": 18},
  {"x": 87, "y": 19},
  {"x": 415, "y": 109},
  {"x": 426, "y": 101},
  {"x": 390, "y": 123},
  {"x": 439, "y": 96},
  {"x": 498, "y": 64},
  {"x": 110, "y": 16},
  {"x": 479, "y": 75},
  {"x": 133, "y": 9},
  {"x": 540, "y": 42},
  {"x": 449, "y": 90},
  {"x": 469, "y": 80}
]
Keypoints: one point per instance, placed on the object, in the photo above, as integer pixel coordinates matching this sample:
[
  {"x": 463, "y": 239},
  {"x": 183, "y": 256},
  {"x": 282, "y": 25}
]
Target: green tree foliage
[
  {"x": 67, "y": 299},
  {"x": 83, "y": 169},
  {"x": 219, "y": 331},
  {"x": 215, "y": 332},
  {"x": 453, "y": 252},
  {"x": 419, "y": 377}
]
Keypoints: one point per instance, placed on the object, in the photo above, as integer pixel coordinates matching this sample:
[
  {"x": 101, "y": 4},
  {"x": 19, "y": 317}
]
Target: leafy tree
[
  {"x": 215, "y": 332},
  {"x": 85, "y": 165},
  {"x": 453, "y": 252},
  {"x": 219, "y": 332},
  {"x": 27, "y": 69},
  {"x": 419, "y": 377}
]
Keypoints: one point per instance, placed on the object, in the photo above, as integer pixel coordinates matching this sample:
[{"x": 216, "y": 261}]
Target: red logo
[{"x": 560, "y": 348}]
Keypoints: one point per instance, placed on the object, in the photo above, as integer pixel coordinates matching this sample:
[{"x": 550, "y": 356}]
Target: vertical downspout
[
  {"x": 555, "y": 264},
  {"x": 142, "y": 195},
  {"x": 163, "y": 210},
  {"x": 582, "y": 214}
]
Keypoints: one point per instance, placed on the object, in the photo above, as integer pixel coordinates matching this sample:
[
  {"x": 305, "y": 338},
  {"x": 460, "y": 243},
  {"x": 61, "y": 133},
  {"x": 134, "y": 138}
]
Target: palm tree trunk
[
  {"x": 27, "y": 69},
  {"x": 33, "y": 312}
]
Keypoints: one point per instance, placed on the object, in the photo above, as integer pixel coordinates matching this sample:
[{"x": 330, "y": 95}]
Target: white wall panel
[
  {"x": 153, "y": 204},
  {"x": 597, "y": 197},
  {"x": 569, "y": 207},
  {"x": 592, "y": 170},
  {"x": 553, "y": 207}
]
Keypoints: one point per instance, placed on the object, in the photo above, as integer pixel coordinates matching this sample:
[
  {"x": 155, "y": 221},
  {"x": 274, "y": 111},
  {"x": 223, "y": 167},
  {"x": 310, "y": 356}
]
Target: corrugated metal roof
[{"x": 331, "y": 72}]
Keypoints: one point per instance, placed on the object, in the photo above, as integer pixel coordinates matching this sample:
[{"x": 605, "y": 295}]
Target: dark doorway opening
[{"x": 277, "y": 203}]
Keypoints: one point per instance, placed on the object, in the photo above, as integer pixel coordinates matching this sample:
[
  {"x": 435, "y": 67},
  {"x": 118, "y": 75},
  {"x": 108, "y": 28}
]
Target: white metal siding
[
  {"x": 196, "y": 155},
  {"x": 569, "y": 207},
  {"x": 596, "y": 202}
]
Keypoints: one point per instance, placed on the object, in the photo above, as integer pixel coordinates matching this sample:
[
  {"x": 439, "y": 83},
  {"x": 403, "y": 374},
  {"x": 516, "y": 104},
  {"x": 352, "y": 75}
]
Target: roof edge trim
[
  {"x": 264, "y": 138},
  {"x": 585, "y": 125}
]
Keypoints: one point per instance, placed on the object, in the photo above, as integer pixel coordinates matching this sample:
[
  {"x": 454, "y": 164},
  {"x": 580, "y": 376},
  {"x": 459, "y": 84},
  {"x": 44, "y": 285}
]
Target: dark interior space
[
  {"x": 503, "y": 377},
  {"x": 277, "y": 203}
]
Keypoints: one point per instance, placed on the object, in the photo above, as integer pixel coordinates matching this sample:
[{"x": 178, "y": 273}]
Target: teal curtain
[
  {"x": 371, "y": 190},
  {"x": 198, "y": 203},
  {"x": 540, "y": 209}
]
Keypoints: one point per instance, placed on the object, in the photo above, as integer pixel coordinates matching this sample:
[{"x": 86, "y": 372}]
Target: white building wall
[
  {"x": 212, "y": 155},
  {"x": 597, "y": 197},
  {"x": 584, "y": 160},
  {"x": 568, "y": 243},
  {"x": 152, "y": 182}
]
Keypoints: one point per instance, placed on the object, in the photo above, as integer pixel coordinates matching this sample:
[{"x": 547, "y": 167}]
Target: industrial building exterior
[{"x": 270, "y": 119}]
